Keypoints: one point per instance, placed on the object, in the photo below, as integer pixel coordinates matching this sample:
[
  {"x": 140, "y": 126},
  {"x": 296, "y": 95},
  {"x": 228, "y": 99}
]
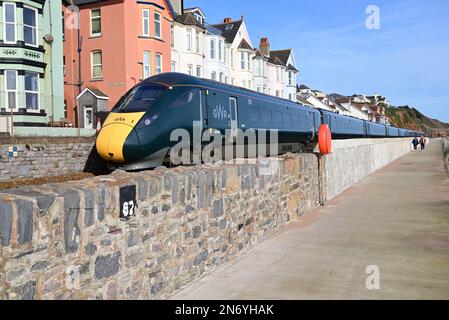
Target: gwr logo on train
[{"x": 220, "y": 112}]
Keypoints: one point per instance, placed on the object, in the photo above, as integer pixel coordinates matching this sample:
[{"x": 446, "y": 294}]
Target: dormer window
[{"x": 229, "y": 26}]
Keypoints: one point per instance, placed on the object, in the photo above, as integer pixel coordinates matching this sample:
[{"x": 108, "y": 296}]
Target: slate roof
[
  {"x": 282, "y": 55},
  {"x": 189, "y": 20},
  {"x": 97, "y": 92},
  {"x": 303, "y": 86},
  {"x": 244, "y": 45},
  {"x": 230, "y": 33}
]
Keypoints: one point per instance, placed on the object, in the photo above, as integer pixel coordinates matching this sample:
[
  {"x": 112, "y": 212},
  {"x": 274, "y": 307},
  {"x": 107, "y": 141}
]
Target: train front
[{"x": 125, "y": 137}]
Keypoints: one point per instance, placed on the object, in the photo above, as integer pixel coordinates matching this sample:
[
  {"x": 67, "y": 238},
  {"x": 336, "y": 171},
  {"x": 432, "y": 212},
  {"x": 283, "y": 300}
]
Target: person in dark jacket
[
  {"x": 415, "y": 143},
  {"x": 422, "y": 141}
]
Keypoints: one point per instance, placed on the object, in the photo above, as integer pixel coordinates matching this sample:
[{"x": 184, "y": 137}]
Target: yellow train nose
[{"x": 113, "y": 134}]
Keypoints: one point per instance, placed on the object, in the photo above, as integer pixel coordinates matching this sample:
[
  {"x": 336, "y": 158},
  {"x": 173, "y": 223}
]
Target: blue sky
[{"x": 407, "y": 59}]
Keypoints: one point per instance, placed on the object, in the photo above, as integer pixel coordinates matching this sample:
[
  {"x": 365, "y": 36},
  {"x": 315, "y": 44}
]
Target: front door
[{"x": 88, "y": 117}]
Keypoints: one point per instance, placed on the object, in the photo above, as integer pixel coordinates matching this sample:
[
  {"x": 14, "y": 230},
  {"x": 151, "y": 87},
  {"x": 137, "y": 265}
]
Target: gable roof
[
  {"x": 96, "y": 92},
  {"x": 244, "y": 45},
  {"x": 303, "y": 87},
  {"x": 229, "y": 32},
  {"x": 189, "y": 20},
  {"x": 282, "y": 55}
]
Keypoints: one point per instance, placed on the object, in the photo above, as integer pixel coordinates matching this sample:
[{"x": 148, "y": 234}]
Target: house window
[
  {"x": 32, "y": 90},
  {"x": 277, "y": 93},
  {"x": 198, "y": 71},
  {"x": 232, "y": 58},
  {"x": 146, "y": 22},
  {"x": 9, "y": 22},
  {"x": 290, "y": 96},
  {"x": 278, "y": 74},
  {"x": 63, "y": 66},
  {"x": 220, "y": 49},
  {"x": 249, "y": 84},
  {"x": 197, "y": 41},
  {"x": 173, "y": 66},
  {"x": 213, "y": 75},
  {"x": 212, "y": 49},
  {"x": 97, "y": 66},
  {"x": 221, "y": 76},
  {"x": 290, "y": 78},
  {"x": 146, "y": 64},
  {"x": 242, "y": 60},
  {"x": 30, "y": 26},
  {"x": 11, "y": 89},
  {"x": 95, "y": 22},
  {"x": 172, "y": 40},
  {"x": 258, "y": 89},
  {"x": 244, "y": 83},
  {"x": 189, "y": 40},
  {"x": 190, "y": 69},
  {"x": 158, "y": 63},
  {"x": 249, "y": 60},
  {"x": 225, "y": 53},
  {"x": 157, "y": 25}
]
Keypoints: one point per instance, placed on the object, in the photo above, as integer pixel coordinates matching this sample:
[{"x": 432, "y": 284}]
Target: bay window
[
  {"x": 157, "y": 25},
  {"x": 9, "y": 22},
  {"x": 158, "y": 63},
  {"x": 146, "y": 64},
  {"x": 30, "y": 26},
  {"x": 212, "y": 49},
  {"x": 146, "y": 22},
  {"x": 32, "y": 90},
  {"x": 11, "y": 89}
]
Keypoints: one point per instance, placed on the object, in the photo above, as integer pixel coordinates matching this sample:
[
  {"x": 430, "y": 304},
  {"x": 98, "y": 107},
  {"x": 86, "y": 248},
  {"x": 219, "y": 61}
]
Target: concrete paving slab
[{"x": 396, "y": 219}]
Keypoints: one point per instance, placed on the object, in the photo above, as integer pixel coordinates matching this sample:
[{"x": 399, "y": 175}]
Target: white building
[
  {"x": 239, "y": 54},
  {"x": 311, "y": 97},
  {"x": 216, "y": 55},
  {"x": 260, "y": 71},
  {"x": 281, "y": 71},
  {"x": 188, "y": 38}
]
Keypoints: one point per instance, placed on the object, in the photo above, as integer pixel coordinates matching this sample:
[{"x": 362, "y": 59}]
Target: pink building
[{"x": 121, "y": 43}]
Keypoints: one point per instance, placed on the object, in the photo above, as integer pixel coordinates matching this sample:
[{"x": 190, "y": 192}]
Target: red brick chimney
[
  {"x": 227, "y": 20},
  {"x": 264, "y": 46}
]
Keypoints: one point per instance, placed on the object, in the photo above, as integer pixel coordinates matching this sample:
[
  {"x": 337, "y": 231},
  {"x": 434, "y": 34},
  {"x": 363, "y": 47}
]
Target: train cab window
[
  {"x": 233, "y": 106},
  {"x": 138, "y": 99}
]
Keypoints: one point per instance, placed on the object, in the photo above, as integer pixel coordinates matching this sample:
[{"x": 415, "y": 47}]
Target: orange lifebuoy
[{"x": 325, "y": 139}]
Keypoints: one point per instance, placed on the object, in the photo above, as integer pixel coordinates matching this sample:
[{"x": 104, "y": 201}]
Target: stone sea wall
[{"x": 144, "y": 235}]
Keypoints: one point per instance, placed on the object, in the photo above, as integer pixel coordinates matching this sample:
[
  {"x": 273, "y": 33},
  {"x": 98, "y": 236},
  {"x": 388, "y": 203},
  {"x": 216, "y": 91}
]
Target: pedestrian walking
[
  {"x": 422, "y": 142},
  {"x": 415, "y": 143}
]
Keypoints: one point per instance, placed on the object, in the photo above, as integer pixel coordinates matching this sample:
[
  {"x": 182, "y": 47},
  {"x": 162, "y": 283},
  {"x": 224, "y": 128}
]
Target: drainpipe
[
  {"x": 79, "y": 73},
  {"x": 12, "y": 118},
  {"x": 51, "y": 67}
]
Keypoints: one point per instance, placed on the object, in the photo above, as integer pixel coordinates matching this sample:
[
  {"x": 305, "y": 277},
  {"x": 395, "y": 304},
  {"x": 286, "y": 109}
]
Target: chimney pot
[{"x": 227, "y": 20}]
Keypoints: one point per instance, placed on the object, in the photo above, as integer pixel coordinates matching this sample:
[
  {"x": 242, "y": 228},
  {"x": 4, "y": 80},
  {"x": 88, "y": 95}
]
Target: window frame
[
  {"x": 212, "y": 49},
  {"x": 156, "y": 67},
  {"x": 213, "y": 75},
  {"x": 6, "y": 23},
  {"x": 189, "y": 39},
  {"x": 146, "y": 67},
  {"x": 197, "y": 41},
  {"x": 145, "y": 33},
  {"x": 190, "y": 69},
  {"x": 15, "y": 91},
  {"x": 99, "y": 17},
  {"x": 198, "y": 71},
  {"x": 157, "y": 25},
  {"x": 36, "y": 27},
  {"x": 220, "y": 50},
  {"x": 242, "y": 60},
  {"x": 32, "y": 92},
  {"x": 92, "y": 64},
  {"x": 173, "y": 66}
]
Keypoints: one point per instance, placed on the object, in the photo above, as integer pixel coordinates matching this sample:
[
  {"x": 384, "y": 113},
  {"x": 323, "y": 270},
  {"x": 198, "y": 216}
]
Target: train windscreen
[{"x": 139, "y": 99}]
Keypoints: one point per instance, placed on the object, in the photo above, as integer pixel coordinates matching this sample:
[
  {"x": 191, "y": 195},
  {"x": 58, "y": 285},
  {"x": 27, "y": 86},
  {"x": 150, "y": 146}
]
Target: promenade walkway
[{"x": 396, "y": 219}]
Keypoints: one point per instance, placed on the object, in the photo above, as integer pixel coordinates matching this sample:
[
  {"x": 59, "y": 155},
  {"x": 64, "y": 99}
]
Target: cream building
[{"x": 188, "y": 35}]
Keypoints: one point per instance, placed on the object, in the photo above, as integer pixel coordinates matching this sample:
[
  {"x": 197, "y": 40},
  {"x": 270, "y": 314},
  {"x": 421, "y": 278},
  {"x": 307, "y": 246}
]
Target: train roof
[{"x": 181, "y": 79}]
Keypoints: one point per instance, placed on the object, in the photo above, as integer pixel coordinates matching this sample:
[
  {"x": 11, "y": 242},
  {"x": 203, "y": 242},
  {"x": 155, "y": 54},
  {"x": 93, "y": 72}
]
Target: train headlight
[{"x": 148, "y": 120}]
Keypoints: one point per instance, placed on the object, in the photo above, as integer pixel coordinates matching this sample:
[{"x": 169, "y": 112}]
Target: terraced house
[
  {"x": 119, "y": 43},
  {"x": 31, "y": 77}
]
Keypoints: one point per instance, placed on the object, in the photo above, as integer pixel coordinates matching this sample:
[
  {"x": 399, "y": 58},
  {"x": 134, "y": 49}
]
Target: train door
[
  {"x": 233, "y": 113},
  {"x": 218, "y": 111},
  {"x": 203, "y": 109}
]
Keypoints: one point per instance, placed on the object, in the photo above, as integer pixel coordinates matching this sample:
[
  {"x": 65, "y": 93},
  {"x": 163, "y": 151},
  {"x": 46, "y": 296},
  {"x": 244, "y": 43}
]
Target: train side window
[
  {"x": 287, "y": 119},
  {"x": 266, "y": 116},
  {"x": 277, "y": 117},
  {"x": 233, "y": 107},
  {"x": 254, "y": 115}
]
